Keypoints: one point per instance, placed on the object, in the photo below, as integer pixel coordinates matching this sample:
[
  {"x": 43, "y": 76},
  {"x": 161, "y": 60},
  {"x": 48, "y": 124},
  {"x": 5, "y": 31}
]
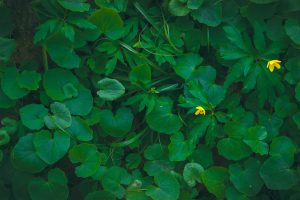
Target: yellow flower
[
  {"x": 200, "y": 110},
  {"x": 273, "y": 63}
]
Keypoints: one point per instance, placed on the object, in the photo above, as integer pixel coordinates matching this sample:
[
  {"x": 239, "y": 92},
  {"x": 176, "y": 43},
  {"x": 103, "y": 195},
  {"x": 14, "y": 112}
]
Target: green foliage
[{"x": 149, "y": 100}]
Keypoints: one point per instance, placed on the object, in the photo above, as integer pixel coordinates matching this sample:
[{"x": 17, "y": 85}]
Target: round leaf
[
  {"x": 32, "y": 116},
  {"x": 110, "y": 89}
]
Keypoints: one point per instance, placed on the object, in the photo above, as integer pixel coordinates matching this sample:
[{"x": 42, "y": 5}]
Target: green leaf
[
  {"x": 209, "y": 13},
  {"x": 253, "y": 138},
  {"x": 24, "y": 156},
  {"x": 7, "y": 47},
  {"x": 51, "y": 148},
  {"x": 292, "y": 29},
  {"x": 179, "y": 149},
  {"x": 70, "y": 91},
  {"x": 5, "y": 101},
  {"x": 246, "y": 178},
  {"x": 82, "y": 104},
  {"x": 283, "y": 146},
  {"x": 61, "y": 117},
  {"x": 55, "y": 80},
  {"x": 186, "y": 64},
  {"x": 215, "y": 179},
  {"x": 178, "y": 8},
  {"x": 4, "y": 138},
  {"x": 9, "y": 85},
  {"x": 162, "y": 113},
  {"x": 228, "y": 148},
  {"x": 192, "y": 173},
  {"x": 107, "y": 20},
  {"x": 277, "y": 174},
  {"x": 283, "y": 106},
  {"x": 140, "y": 74},
  {"x": 113, "y": 179},
  {"x": 116, "y": 125},
  {"x": 55, "y": 188},
  {"x": 32, "y": 116},
  {"x": 194, "y": 4},
  {"x": 89, "y": 158},
  {"x": 80, "y": 130},
  {"x": 168, "y": 187},
  {"x": 29, "y": 80},
  {"x": 75, "y": 5},
  {"x": 110, "y": 89},
  {"x": 61, "y": 51}
]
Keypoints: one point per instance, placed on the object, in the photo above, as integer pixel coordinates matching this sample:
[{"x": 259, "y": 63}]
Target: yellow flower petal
[{"x": 277, "y": 65}]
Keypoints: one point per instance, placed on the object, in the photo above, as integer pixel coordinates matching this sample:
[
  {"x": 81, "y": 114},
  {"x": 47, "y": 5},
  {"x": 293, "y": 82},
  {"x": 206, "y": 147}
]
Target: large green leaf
[
  {"x": 292, "y": 29},
  {"x": 29, "y": 80},
  {"x": 32, "y": 116},
  {"x": 209, "y": 13},
  {"x": 62, "y": 52},
  {"x": 107, "y": 20},
  {"x": 88, "y": 157},
  {"x": 179, "y": 149},
  {"x": 116, "y": 125},
  {"x": 55, "y": 80},
  {"x": 24, "y": 156},
  {"x": 55, "y": 188},
  {"x": 186, "y": 64},
  {"x": 246, "y": 178},
  {"x": 10, "y": 86},
  {"x": 162, "y": 112},
  {"x": 228, "y": 148},
  {"x": 215, "y": 180},
  {"x": 168, "y": 187},
  {"x": 113, "y": 179},
  {"x": 277, "y": 174},
  {"x": 51, "y": 147},
  {"x": 82, "y": 104}
]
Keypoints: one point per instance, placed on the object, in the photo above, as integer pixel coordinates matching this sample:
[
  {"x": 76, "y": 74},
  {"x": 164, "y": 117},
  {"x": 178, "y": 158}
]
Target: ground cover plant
[{"x": 149, "y": 100}]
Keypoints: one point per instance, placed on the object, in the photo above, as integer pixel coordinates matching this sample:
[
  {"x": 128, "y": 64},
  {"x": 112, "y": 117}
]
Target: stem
[{"x": 45, "y": 58}]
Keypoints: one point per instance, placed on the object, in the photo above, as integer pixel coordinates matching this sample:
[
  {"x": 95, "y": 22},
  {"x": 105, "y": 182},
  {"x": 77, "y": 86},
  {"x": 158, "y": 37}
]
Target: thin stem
[{"x": 45, "y": 58}]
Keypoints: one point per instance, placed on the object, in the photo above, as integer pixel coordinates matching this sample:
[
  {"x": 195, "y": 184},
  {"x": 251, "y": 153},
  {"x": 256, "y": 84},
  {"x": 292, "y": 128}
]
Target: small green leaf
[
  {"x": 75, "y": 5},
  {"x": 61, "y": 117},
  {"x": 209, "y": 13},
  {"x": 140, "y": 74},
  {"x": 32, "y": 116},
  {"x": 80, "y": 129},
  {"x": 89, "y": 158},
  {"x": 178, "y": 8},
  {"x": 29, "y": 80},
  {"x": 110, "y": 89},
  {"x": 192, "y": 173},
  {"x": 179, "y": 149},
  {"x": 186, "y": 64}
]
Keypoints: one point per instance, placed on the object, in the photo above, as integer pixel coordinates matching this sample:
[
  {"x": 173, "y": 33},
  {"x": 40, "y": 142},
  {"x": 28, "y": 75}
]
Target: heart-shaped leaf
[
  {"x": 116, "y": 125},
  {"x": 51, "y": 148},
  {"x": 61, "y": 117},
  {"x": 55, "y": 188},
  {"x": 80, "y": 129},
  {"x": 192, "y": 173},
  {"x": 32, "y": 116}
]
